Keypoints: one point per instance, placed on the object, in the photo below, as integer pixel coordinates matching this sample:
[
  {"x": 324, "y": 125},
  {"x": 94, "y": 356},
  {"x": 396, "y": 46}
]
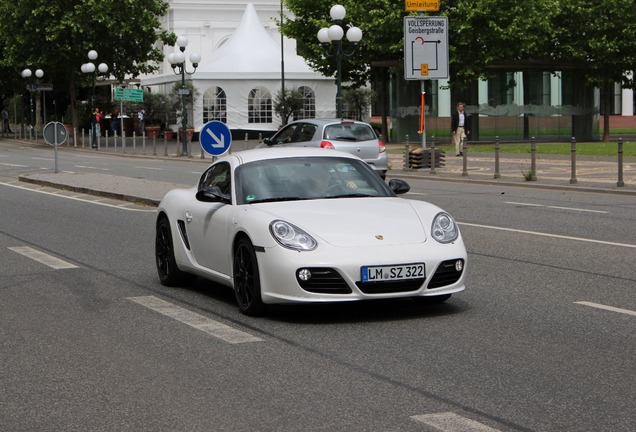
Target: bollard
[
  {"x": 620, "y": 182},
  {"x": 154, "y": 145},
  {"x": 260, "y": 138},
  {"x": 464, "y": 157},
  {"x": 573, "y": 153},
  {"x": 165, "y": 145},
  {"x": 123, "y": 143},
  {"x": 83, "y": 132},
  {"x": 497, "y": 173},
  {"x": 406, "y": 154},
  {"x": 143, "y": 143},
  {"x": 134, "y": 142},
  {"x": 246, "y": 140},
  {"x": 433, "y": 154},
  {"x": 533, "y": 159}
]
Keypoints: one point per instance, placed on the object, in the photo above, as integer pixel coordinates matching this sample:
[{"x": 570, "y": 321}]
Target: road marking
[
  {"x": 75, "y": 197},
  {"x": 14, "y": 165},
  {"x": 93, "y": 168},
  {"x": 550, "y": 235},
  {"x": 605, "y": 307},
  {"x": 199, "y": 322},
  {"x": 43, "y": 258},
  {"x": 451, "y": 422},
  {"x": 149, "y": 168},
  {"x": 416, "y": 193},
  {"x": 557, "y": 207}
]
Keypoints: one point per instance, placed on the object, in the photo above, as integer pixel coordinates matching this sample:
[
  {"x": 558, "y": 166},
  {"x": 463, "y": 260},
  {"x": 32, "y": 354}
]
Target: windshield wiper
[
  {"x": 264, "y": 200},
  {"x": 351, "y": 195}
]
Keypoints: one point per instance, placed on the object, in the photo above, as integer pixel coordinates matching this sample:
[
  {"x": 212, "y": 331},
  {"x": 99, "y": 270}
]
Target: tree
[
  {"x": 57, "y": 35},
  {"x": 289, "y": 105},
  {"x": 358, "y": 100},
  {"x": 599, "y": 37},
  {"x": 380, "y": 48}
]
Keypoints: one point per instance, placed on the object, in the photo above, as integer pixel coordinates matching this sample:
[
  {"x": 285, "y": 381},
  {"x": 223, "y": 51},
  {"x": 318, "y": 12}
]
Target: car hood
[{"x": 353, "y": 222}]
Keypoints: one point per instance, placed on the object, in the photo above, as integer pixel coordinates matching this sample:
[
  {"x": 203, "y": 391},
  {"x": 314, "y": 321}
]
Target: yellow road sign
[{"x": 421, "y": 5}]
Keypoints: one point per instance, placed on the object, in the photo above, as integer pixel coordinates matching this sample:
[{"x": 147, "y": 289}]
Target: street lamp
[
  {"x": 89, "y": 68},
  {"x": 177, "y": 61},
  {"x": 334, "y": 35},
  {"x": 39, "y": 73}
]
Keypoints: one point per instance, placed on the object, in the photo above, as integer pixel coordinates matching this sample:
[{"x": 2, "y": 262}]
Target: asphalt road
[{"x": 543, "y": 339}]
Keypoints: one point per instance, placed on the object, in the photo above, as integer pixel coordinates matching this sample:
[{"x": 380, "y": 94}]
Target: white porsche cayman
[{"x": 306, "y": 225}]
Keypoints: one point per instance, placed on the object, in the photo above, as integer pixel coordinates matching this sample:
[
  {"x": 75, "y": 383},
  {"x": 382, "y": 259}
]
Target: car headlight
[
  {"x": 444, "y": 228},
  {"x": 292, "y": 237}
]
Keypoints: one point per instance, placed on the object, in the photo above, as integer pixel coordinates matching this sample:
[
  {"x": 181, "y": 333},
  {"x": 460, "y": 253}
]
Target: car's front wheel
[
  {"x": 169, "y": 273},
  {"x": 247, "y": 284}
]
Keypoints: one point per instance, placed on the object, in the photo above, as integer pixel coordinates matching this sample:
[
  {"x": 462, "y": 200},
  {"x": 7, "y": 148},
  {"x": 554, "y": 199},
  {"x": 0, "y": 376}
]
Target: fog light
[
  {"x": 459, "y": 265},
  {"x": 304, "y": 275}
]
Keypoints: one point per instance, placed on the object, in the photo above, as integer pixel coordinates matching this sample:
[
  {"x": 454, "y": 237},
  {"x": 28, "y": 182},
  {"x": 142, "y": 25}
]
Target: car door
[{"x": 208, "y": 223}]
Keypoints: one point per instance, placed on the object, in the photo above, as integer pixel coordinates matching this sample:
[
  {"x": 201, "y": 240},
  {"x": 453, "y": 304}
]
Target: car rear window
[{"x": 349, "y": 132}]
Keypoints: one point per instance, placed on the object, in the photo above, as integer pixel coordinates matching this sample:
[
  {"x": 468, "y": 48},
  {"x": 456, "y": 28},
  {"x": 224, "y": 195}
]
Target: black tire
[
  {"x": 247, "y": 283},
  {"x": 169, "y": 273}
]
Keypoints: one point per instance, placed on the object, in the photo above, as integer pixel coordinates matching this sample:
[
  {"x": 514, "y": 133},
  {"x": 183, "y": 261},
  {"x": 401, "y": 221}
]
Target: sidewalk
[{"x": 593, "y": 174}]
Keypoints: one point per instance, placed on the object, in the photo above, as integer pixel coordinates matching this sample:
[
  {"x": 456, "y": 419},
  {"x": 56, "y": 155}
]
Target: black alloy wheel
[
  {"x": 169, "y": 273},
  {"x": 247, "y": 285}
]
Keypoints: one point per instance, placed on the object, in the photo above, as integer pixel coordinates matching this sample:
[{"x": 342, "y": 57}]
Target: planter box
[
  {"x": 189, "y": 134},
  {"x": 152, "y": 132}
]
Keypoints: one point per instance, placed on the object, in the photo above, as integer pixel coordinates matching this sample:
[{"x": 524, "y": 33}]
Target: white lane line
[
  {"x": 451, "y": 422},
  {"x": 199, "y": 322},
  {"x": 74, "y": 197},
  {"x": 608, "y": 308},
  {"x": 557, "y": 207},
  {"x": 43, "y": 258},
  {"x": 549, "y": 235},
  {"x": 91, "y": 167},
  {"x": 416, "y": 193},
  {"x": 14, "y": 165},
  {"x": 149, "y": 168}
]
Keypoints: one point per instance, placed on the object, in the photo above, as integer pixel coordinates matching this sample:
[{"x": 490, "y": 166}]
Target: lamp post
[
  {"x": 89, "y": 68},
  {"x": 177, "y": 61},
  {"x": 27, "y": 74},
  {"x": 334, "y": 35}
]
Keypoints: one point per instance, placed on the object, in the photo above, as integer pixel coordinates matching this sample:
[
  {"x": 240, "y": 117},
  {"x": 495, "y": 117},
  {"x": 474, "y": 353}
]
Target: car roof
[
  {"x": 326, "y": 121},
  {"x": 257, "y": 154}
]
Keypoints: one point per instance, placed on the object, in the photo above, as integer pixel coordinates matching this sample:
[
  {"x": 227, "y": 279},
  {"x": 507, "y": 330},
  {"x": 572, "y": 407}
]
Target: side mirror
[
  {"x": 399, "y": 186},
  {"x": 212, "y": 194},
  {"x": 267, "y": 141}
]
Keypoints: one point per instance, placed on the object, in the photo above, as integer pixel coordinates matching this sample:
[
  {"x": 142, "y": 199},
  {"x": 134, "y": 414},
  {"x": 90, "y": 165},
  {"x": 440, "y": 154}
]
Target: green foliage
[
  {"x": 359, "y": 100},
  {"x": 290, "y": 105}
]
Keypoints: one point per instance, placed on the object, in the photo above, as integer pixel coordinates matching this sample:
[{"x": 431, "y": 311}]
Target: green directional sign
[{"x": 128, "y": 94}]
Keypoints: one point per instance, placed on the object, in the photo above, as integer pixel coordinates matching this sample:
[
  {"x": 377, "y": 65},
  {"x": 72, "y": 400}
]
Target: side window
[
  {"x": 305, "y": 133},
  {"x": 285, "y": 135},
  {"x": 217, "y": 175}
]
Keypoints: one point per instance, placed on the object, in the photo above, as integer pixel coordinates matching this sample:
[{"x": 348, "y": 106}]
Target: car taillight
[
  {"x": 382, "y": 147},
  {"x": 327, "y": 145}
]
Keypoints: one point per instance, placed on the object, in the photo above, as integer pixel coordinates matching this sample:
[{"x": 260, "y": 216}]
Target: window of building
[
  {"x": 259, "y": 105},
  {"x": 309, "y": 104},
  {"x": 214, "y": 105}
]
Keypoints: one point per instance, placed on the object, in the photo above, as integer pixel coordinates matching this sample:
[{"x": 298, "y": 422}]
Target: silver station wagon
[{"x": 351, "y": 136}]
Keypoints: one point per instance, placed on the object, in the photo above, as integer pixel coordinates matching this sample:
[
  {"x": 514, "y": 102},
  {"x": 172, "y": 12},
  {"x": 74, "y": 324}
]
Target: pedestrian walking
[
  {"x": 6, "y": 128},
  {"x": 140, "y": 117},
  {"x": 459, "y": 128}
]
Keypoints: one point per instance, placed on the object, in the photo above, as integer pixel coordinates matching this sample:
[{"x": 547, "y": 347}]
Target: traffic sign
[
  {"x": 421, "y": 5},
  {"x": 215, "y": 138},
  {"x": 128, "y": 94},
  {"x": 425, "y": 47},
  {"x": 54, "y": 133}
]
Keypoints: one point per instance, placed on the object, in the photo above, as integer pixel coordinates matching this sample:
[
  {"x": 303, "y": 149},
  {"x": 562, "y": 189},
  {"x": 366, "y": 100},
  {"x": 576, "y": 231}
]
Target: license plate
[{"x": 394, "y": 272}]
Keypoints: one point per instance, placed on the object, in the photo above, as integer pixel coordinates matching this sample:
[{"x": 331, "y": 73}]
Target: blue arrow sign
[{"x": 215, "y": 138}]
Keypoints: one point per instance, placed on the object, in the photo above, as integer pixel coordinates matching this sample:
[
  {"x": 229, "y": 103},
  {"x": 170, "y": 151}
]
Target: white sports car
[{"x": 306, "y": 225}]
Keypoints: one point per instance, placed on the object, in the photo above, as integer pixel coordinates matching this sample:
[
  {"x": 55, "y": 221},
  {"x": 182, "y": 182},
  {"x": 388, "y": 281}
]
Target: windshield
[
  {"x": 307, "y": 178},
  {"x": 353, "y": 132}
]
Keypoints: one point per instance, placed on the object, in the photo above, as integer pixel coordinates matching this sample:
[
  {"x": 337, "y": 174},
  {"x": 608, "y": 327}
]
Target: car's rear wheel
[
  {"x": 169, "y": 273},
  {"x": 247, "y": 284}
]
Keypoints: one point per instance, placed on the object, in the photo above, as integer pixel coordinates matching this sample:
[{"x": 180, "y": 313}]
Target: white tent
[{"x": 249, "y": 64}]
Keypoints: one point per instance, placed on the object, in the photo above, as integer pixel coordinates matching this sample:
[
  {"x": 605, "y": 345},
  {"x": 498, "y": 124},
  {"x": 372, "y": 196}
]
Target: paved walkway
[{"x": 592, "y": 174}]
